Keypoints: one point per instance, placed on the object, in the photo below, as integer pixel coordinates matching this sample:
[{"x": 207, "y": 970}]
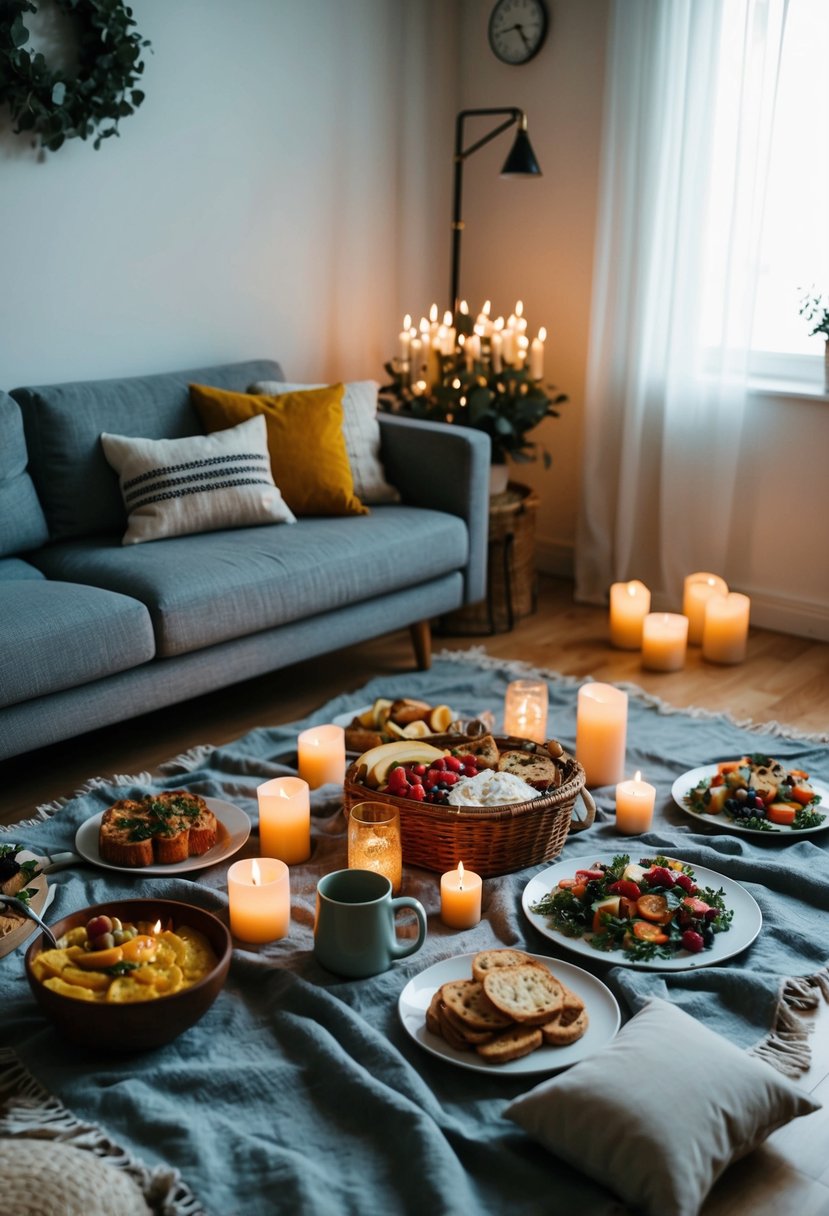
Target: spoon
[{"x": 19, "y": 905}]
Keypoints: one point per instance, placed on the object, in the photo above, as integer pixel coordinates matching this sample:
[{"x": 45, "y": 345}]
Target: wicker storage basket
[{"x": 489, "y": 840}]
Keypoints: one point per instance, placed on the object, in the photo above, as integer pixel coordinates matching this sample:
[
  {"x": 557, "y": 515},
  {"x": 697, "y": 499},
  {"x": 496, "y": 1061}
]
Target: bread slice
[
  {"x": 467, "y": 999},
  {"x": 125, "y": 837},
  {"x": 511, "y": 1044},
  {"x": 535, "y": 767},
  {"x": 484, "y": 749},
  {"x": 565, "y": 1027},
  {"x": 487, "y": 960},
  {"x": 528, "y": 994}
]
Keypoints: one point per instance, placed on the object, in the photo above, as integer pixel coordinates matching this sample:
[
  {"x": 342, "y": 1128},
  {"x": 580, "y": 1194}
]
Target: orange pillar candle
[
  {"x": 725, "y": 632},
  {"x": 634, "y": 806},
  {"x": 322, "y": 755},
  {"x": 525, "y": 709},
  {"x": 698, "y": 590},
  {"x": 285, "y": 819},
  {"x": 601, "y": 732},
  {"x": 664, "y": 641},
  {"x": 630, "y": 603},
  {"x": 259, "y": 894},
  {"x": 460, "y": 898}
]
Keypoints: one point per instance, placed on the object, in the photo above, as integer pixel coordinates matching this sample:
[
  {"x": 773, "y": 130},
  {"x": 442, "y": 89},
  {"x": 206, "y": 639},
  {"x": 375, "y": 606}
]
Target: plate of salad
[
  {"x": 647, "y": 911},
  {"x": 756, "y": 795}
]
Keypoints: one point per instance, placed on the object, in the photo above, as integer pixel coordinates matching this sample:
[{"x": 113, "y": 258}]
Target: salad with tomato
[
  {"x": 653, "y": 908},
  {"x": 758, "y": 792}
]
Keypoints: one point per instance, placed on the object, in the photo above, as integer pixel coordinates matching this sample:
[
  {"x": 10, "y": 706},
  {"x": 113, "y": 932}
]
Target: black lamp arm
[{"x": 514, "y": 113}]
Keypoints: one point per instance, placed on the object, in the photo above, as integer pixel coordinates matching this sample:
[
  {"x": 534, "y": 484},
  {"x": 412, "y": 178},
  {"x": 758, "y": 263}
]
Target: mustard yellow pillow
[{"x": 309, "y": 460}]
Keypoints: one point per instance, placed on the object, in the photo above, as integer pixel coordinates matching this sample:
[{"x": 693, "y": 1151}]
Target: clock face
[{"x": 517, "y": 29}]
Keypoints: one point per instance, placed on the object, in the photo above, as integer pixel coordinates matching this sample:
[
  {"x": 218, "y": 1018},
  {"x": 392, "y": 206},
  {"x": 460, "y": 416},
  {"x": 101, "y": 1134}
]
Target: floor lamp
[{"x": 520, "y": 162}]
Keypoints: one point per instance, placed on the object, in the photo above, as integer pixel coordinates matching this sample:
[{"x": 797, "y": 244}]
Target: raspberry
[
  {"x": 687, "y": 883},
  {"x": 449, "y": 778},
  {"x": 439, "y": 765},
  {"x": 692, "y": 941},
  {"x": 453, "y": 764},
  {"x": 418, "y": 793},
  {"x": 660, "y": 876}
]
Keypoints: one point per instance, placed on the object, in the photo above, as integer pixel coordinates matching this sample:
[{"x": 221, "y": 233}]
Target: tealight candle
[
  {"x": 634, "y": 806},
  {"x": 525, "y": 709},
  {"x": 601, "y": 733},
  {"x": 321, "y": 752},
  {"x": 698, "y": 589},
  {"x": 460, "y": 898},
  {"x": 725, "y": 631},
  {"x": 664, "y": 641},
  {"x": 630, "y": 603},
  {"x": 259, "y": 894},
  {"x": 285, "y": 819}
]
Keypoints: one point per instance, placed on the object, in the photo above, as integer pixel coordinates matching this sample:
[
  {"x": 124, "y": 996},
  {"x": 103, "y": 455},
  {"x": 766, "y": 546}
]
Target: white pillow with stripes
[
  {"x": 174, "y": 487},
  {"x": 361, "y": 432}
]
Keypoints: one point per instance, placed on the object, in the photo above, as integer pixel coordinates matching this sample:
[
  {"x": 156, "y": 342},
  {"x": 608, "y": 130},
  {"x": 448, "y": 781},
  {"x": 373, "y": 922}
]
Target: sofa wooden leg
[{"x": 421, "y": 634}]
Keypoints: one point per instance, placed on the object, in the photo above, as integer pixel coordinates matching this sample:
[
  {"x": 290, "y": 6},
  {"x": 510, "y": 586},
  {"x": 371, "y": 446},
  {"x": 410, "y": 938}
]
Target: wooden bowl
[{"x": 145, "y": 1024}]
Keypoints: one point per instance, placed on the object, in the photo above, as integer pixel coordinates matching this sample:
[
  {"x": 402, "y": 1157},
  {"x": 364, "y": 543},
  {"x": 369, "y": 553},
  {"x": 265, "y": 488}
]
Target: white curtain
[{"x": 688, "y": 119}]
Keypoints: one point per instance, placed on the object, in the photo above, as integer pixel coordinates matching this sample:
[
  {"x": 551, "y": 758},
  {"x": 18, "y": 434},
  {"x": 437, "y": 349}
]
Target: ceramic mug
[{"x": 354, "y": 929}]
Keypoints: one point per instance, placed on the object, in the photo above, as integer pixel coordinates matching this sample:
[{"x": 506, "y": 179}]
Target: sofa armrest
[{"x": 434, "y": 464}]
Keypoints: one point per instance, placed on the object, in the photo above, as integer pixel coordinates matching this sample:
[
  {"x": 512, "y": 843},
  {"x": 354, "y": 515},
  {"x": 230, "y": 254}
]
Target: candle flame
[
  {"x": 638, "y": 776},
  {"x": 447, "y": 318},
  {"x": 156, "y": 928},
  {"x": 464, "y": 307},
  {"x": 407, "y": 321},
  {"x": 486, "y": 308},
  {"x": 424, "y": 325},
  {"x": 542, "y": 334},
  {"x": 519, "y": 308},
  {"x": 433, "y": 313},
  {"x": 460, "y": 875},
  {"x": 255, "y": 876}
]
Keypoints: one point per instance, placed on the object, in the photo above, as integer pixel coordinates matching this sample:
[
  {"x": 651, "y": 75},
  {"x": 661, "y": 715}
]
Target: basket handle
[{"x": 581, "y": 825}]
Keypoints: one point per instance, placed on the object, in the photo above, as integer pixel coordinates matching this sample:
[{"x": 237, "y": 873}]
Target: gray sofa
[{"x": 94, "y": 632}]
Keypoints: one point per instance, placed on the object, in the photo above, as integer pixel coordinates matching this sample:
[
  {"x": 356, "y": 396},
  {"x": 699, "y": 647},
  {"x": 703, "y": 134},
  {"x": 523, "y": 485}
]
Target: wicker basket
[{"x": 489, "y": 840}]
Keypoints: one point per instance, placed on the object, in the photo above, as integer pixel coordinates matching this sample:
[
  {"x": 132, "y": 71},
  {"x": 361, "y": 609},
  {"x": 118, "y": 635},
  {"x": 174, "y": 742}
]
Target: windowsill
[{"x": 774, "y": 386}]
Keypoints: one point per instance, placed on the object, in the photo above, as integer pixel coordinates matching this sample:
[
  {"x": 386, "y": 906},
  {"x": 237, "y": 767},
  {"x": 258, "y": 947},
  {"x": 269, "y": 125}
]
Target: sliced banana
[
  {"x": 414, "y": 730},
  {"x": 441, "y": 718}
]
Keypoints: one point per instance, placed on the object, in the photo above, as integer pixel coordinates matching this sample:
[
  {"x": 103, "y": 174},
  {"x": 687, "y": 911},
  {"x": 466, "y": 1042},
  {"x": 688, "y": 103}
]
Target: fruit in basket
[
  {"x": 403, "y": 718},
  {"x": 374, "y": 765}
]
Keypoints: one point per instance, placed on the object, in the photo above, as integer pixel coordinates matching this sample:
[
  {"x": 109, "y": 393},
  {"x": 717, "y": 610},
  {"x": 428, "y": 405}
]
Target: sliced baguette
[{"x": 528, "y": 993}]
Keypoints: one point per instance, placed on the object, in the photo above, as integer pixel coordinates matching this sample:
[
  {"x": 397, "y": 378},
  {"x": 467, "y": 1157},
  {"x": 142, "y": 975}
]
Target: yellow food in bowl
[{"x": 146, "y": 966}]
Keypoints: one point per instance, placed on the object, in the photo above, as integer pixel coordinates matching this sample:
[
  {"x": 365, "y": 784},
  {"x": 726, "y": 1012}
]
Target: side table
[{"x": 511, "y": 574}]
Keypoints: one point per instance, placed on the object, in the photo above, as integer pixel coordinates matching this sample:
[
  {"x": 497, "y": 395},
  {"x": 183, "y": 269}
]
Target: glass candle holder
[
  {"x": 525, "y": 709},
  {"x": 374, "y": 841}
]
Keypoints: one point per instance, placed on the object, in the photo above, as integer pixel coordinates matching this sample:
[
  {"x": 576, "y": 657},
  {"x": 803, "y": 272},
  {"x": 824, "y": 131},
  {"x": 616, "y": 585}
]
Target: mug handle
[{"x": 402, "y": 949}]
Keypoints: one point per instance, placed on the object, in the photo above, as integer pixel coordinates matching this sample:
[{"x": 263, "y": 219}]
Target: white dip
[{"x": 491, "y": 788}]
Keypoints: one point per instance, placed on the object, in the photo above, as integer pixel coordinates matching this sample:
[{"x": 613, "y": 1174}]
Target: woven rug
[{"x": 298, "y": 1081}]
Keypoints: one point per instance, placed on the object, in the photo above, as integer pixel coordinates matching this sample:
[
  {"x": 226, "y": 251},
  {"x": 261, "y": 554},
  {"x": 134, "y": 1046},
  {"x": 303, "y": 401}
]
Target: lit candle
[
  {"x": 482, "y": 323},
  {"x": 664, "y": 641},
  {"x": 601, "y": 733},
  {"x": 405, "y": 338},
  {"x": 448, "y": 333},
  {"x": 525, "y": 709},
  {"x": 321, "y": 751},
  {"x": 433, "y": 323},
  {"x": 495, "y": 351},
  {"x": 634, "y": 806},
  {"x": 630, "y": 603},
  {"x": 285, "y": 819},
  {"x": 460, "y": 898},
  {"x": 725, "y": 630},
  {"x": 472, "y": 349},
  {"x": 537, "y": 354},
  {"x": 508, "y": 344},
  {"x": 698, "y": 589},
  {"x": 259, "y": 894},
  {"x": 416, "y": 353}
]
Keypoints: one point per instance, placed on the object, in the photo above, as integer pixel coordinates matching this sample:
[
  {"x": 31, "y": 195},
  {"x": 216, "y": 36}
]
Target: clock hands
[{"x": 519, "y": 27}]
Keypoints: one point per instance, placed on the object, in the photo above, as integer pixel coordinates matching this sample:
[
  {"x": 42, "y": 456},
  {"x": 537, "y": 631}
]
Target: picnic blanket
[{"x": 299, "y": 1091}]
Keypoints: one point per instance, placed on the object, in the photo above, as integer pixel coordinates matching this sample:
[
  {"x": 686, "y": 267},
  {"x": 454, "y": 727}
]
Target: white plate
[
  {"x": 745, "y": 925},
  {"x": 231, "y": 818},
  {"x": 600, "y": 1002},
  {"x": 684, "y": 784}
]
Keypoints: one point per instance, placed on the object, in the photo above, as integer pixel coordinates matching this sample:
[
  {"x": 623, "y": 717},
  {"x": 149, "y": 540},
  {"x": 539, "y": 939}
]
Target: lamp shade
[{"x": 521, "y": 160}]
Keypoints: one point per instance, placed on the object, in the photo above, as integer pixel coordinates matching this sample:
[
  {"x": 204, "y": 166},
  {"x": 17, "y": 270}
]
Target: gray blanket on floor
[{"x": 299, "y": 1092}]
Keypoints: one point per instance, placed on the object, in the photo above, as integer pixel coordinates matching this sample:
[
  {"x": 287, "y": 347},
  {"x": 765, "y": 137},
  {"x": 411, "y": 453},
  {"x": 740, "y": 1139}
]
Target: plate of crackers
[{"x": 508, "y": 1012}]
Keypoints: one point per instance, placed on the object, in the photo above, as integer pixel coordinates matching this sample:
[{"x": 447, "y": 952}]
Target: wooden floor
[{"x": 783, "y": 679}]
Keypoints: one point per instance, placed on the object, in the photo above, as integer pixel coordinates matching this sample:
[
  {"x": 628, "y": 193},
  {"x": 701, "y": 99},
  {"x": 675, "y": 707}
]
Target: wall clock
[{"x": 517, "y": 29}]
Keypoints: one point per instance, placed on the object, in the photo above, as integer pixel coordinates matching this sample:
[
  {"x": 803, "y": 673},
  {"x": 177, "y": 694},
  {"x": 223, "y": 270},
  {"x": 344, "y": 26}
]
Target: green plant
[
  {"x": 57, "y": 105},
  {"x": 507, "y": 404},
  {"x": 815, "y": 309}
]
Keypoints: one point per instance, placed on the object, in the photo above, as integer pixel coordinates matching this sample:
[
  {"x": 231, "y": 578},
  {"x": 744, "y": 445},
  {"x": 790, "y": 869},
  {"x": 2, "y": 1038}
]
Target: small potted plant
[
  {"x": 479, "y": 375},
  {"x": 814, "y": 307}
]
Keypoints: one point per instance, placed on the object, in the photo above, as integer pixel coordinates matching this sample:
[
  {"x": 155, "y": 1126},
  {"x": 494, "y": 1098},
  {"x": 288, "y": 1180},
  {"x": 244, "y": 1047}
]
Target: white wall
[{"x": 284, "y": 176}]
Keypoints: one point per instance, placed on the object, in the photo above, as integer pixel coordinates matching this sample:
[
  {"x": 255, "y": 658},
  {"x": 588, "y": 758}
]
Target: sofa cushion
[
  {"x": 63, "y": 424},
  {"x": 175, "y": 487},
  {"x": 205, "y": 589},
  {"x": 22, "y": 523},
  {"x": 58, "y": 635},
  {"x": 13, "y": 569},
  {"x": 361, "y": 431},
  {"x": 305, "y": 438}
]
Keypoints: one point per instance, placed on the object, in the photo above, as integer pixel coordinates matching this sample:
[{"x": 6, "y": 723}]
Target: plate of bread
[
  {"x": 167, "y": 833},
  {"x": 508, "y": 1012},
  {"x": 20, "y": 877}
]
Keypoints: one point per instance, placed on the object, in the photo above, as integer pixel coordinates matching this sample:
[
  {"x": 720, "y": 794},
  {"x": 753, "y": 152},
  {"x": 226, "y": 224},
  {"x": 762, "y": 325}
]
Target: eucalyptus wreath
[{"x": 54, "y": 105}]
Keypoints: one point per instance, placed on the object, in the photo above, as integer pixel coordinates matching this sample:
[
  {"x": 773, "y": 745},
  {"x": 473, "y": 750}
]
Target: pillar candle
[
  {"x": 630, "y": 603},
  {"x": 460, "y": 898},
  {"x": 634, "y": 806},
  {"x": 405, "y": 338},
  {"x": 698, "y": 589},
  {"x": 725, "y": 629},
  {"x": 537, "y": 355},
  {"x": 525, "y": 709},
  {"x": 601, "y": 733},
  {"x": 259, "y": 895},
  {"x": 285, "y": 819},
  {"x": 321, "y": 752},
  {"x": 495, "y": 351},
  {"x": 664, "y": 641}
]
